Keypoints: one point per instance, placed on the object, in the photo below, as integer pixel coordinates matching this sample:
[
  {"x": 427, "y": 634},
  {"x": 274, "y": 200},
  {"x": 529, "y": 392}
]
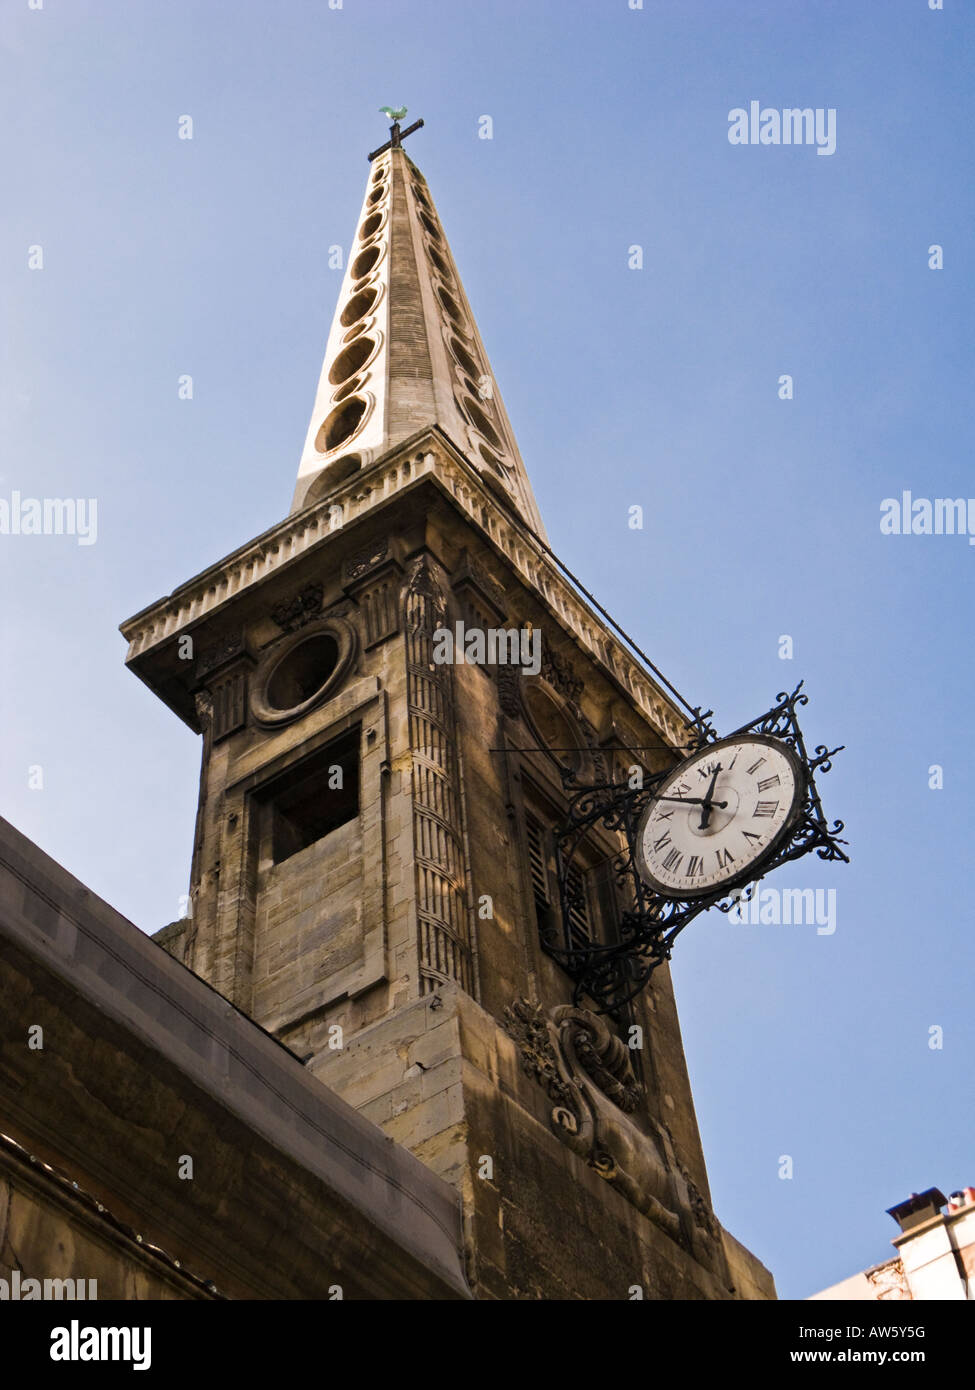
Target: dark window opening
[
  {"x": 314, "y": 798},
  {"x": 302, "y": 672}
]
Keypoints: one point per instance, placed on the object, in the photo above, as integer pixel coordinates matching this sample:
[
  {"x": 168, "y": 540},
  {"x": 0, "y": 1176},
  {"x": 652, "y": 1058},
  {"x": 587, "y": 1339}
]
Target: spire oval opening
[
  {"x": 348, "y": 389},
  {"x": 352, "y": 359},
  {"x": 481, "y": 423},
  {"x": 342, "y": 424},
  {"x": 489, "y": 457},
  {"x": 358, "y": 306},
  {"x": 463, "y": 358},
  {"x": 450, "y": 307},
  {"x": 431, "y": 226},
  {"x": 366, "y": 262},
  {"x": 440, "y": 262},
  {"x": 371, "y": 226}
]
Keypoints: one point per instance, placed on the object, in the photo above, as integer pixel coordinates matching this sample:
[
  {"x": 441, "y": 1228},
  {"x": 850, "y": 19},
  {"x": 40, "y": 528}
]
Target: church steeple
[
  {"x": 404, "y": 352},
  {"x": 378, "y": 877}
]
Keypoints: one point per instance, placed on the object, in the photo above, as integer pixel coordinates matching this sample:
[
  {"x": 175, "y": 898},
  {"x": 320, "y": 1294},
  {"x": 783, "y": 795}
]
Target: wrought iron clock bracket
[{"x": 610, "y": 975}]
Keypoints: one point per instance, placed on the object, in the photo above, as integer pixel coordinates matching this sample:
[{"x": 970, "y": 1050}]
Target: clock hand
[
  {"x": 691, "y": 801},
  {"x": 707, "y": 803}
]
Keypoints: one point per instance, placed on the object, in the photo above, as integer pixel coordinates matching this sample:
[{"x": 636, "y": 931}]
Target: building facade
[{"x": 935, "y": 1254}]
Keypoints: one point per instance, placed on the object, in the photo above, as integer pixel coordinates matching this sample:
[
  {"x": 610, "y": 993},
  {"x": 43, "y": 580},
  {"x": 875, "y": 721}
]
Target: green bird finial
[{"x": 394, "y": 115}]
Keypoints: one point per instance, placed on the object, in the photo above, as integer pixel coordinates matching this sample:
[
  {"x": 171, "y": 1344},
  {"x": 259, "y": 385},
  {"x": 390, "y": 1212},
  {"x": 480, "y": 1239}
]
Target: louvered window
[
  {"x": 578, "y": 928},
  {"x": 573, "y": 926},
  {"x": 536, "y": 867}
]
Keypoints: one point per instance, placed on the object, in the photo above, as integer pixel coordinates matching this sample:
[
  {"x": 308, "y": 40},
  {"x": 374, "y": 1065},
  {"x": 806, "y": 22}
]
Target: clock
[{"x": 718, "y": 817}]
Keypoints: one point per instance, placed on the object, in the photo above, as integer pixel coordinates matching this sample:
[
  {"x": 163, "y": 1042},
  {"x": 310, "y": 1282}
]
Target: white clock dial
[{"x": 718, "y": 815}]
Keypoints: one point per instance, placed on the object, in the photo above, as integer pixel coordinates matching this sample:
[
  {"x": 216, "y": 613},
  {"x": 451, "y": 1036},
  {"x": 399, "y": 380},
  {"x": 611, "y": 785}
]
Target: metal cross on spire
[{"x": 396, "y": 136}]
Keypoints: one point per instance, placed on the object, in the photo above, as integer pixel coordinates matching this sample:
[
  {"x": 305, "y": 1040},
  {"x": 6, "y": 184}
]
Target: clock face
[{"x": 742, "y": 796}]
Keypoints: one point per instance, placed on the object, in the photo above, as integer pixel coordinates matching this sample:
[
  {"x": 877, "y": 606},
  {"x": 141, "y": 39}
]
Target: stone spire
[{"x": 404, "y": 353}]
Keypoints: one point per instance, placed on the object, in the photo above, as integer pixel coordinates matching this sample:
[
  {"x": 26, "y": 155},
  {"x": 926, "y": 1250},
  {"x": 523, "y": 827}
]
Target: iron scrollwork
[{"x": 648, "y": 923}]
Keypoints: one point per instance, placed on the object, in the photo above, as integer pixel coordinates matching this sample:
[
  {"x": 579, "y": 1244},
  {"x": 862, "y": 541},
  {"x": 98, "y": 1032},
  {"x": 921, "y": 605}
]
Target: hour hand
[{"x": 707, "y": 803}]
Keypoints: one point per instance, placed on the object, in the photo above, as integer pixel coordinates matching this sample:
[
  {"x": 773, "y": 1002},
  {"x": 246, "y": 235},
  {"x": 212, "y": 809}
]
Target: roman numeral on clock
[
  {"x": 665, "y": 815},
  {"x": 695, "y": 866},
  {"x": 755, "y": 766},
  {"x": 673, "y": 859},
  {"x": 763, "y": 786},
  {"x": 728, "y": 858},
  {"x": 750, "y": 835},
  {"x": 664, "y": 840},
  {"x": 765, "y": 808}
]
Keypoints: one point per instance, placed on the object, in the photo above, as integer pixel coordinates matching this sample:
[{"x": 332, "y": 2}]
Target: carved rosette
[{"x": 437, "y": 831}]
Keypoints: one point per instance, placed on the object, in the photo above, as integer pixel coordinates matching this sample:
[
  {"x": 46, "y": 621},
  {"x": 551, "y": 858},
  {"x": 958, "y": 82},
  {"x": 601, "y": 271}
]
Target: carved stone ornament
[
  {"x": 203, "y": 701},
  {"x": 221, "y": 653},
  {"x": 585, "y": 1070},
  {"x": 301, "y": 609},
  {"x": 472, "y": 580},
  {"x": 509, "y": 689},
  {"x": 592, "y": 742},
  {"x": 560, "y": 675},
  {"x": 365, "y": 560},
  {"x": 890, "y": 1281}
]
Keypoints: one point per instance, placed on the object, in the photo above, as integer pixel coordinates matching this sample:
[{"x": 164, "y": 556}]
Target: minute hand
[{"x": 692, "y": 801}]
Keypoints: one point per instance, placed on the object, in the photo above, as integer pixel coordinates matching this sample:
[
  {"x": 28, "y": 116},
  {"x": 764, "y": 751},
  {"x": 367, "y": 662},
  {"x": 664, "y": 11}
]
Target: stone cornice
[{"x": 427, "y": 456}]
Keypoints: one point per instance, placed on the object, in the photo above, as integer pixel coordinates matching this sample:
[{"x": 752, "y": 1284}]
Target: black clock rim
[{"x": 752, "y": 872}]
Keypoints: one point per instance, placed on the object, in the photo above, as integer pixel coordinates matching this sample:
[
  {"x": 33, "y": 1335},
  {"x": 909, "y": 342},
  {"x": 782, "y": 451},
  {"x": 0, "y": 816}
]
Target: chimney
[{"x": 919, "y": 1208}]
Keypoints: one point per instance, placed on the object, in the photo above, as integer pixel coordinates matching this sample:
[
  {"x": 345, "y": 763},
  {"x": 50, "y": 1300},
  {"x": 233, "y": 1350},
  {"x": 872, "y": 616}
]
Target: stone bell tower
[{"x": 374, "y": 873}]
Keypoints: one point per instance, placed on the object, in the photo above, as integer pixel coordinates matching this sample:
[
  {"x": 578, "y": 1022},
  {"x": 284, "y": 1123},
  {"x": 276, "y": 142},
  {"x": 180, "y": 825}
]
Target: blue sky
[{"x": 656, "y": 387}]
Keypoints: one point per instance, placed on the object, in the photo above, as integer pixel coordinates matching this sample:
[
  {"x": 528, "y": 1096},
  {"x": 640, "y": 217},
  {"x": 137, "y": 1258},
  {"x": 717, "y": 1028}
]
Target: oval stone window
[
  {"x": 481, "y": 422},
  {"x": 341, "y": 424},
  {"x": 351, "y": 359},
  {"x": 370, "y": 226},
  {"x": 358, "y": 306},
  {"x": 366, "y": 261},
  {"x": 302, "y": 672},
  {"x": 431, "y": 226},
  {"x": 464, "y": 358},
  {"x": 451, "y": 307}
]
